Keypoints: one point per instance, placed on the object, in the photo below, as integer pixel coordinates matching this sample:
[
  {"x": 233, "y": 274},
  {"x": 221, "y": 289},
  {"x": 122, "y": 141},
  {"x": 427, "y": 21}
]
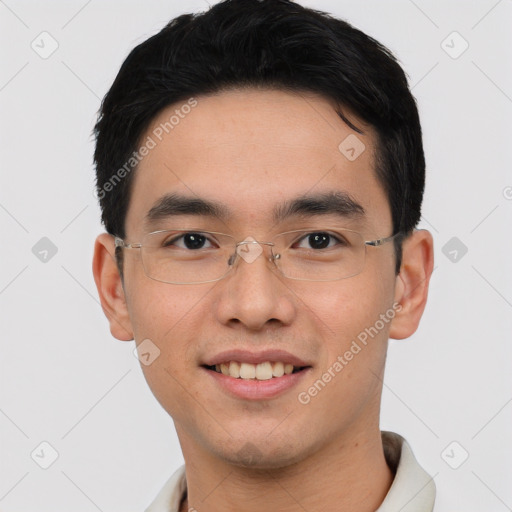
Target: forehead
[{"x": 252, "y": 149}]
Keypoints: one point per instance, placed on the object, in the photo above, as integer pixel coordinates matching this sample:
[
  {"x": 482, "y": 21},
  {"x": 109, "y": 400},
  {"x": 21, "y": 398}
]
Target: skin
[{"x": 250, "y": 150}]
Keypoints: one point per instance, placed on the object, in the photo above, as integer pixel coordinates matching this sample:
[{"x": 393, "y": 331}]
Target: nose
[{"x": 254, "y": 294}]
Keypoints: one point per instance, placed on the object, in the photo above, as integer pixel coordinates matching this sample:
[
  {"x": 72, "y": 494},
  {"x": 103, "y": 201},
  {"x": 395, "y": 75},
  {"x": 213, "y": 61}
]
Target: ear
[
  {"x": 110, "y": 288},
  {"x": 411, "y": 289}
]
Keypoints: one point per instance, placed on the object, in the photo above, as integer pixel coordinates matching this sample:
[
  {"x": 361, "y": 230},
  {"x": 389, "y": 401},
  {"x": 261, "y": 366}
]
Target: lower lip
[{"x": 252, "y": 389}]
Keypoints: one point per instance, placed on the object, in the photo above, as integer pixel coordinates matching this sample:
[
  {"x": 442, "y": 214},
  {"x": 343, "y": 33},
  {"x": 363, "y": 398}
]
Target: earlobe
[
  {"x": 411, "y": 289},
  {"x": 110, "y": 288}
]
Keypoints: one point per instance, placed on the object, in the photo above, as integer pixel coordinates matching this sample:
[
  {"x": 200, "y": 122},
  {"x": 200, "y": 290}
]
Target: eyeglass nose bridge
[{"x": 250, "y": 249}]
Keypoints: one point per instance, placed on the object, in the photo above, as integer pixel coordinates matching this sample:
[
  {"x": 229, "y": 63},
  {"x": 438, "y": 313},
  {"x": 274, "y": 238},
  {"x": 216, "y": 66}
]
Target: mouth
[{"x": 265, "y": 370}]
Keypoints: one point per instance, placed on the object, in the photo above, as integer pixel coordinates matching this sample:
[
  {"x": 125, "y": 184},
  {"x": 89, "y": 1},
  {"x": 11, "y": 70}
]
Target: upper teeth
[{"x": 261, "y": 371}]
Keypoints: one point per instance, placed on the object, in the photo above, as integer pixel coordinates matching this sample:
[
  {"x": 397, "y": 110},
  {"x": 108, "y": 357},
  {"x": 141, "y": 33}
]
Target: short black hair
[{"x": 272, "y": 44}]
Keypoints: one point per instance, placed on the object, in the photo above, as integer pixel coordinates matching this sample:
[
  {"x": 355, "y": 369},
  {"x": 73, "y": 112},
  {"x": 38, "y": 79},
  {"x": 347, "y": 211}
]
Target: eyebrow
[
  {"x": 328, "y": 203},
  {"x": 171, "y": 205}
]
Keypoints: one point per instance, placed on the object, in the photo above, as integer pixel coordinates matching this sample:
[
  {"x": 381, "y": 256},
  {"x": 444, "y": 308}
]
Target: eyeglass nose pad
[
  {"x": 272, "y": 258},
  {"x": 249, "y": 250}
]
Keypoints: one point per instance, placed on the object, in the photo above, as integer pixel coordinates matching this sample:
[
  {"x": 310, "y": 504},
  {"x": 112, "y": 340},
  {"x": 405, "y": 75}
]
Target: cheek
[
  {"x": 353, "y": 318},
  {"x": 354, "y": 339},
  {"x": 158, "y": 310},
  {"x": 168, "y": 316},
  {"x": 345, "y": 308}
]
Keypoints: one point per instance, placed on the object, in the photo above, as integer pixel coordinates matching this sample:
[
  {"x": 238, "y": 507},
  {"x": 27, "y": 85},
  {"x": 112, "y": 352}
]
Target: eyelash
[
  {"x": 339, "y": 240},
  {"x": 174, "y": 239}
]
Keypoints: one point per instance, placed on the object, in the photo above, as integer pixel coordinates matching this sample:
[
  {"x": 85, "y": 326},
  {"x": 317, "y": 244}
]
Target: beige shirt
[{"x": 413, "y": 490}]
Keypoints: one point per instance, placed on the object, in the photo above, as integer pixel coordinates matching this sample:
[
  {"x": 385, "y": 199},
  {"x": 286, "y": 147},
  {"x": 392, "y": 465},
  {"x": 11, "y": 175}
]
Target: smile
[{"x": 262, "y": 371}]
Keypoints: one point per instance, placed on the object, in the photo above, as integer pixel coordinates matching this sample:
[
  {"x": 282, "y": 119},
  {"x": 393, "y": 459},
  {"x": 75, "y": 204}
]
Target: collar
[{"x": 412, "y": 490}]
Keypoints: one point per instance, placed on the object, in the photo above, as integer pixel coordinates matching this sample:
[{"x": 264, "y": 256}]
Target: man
[{"x": 260, "y": 172}]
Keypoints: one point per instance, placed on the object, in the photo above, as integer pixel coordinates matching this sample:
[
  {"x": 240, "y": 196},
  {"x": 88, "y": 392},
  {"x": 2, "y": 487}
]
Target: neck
[{"x": 349, "y": 473}]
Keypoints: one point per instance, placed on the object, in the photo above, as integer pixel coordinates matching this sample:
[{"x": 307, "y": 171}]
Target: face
[{"x": 252, "y": 152}]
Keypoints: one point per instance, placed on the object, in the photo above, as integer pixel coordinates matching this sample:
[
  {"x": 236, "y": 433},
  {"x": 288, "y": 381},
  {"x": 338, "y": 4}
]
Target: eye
[
  {"x": 320, "y": 240},
  {"x": 191, "y": 241}
]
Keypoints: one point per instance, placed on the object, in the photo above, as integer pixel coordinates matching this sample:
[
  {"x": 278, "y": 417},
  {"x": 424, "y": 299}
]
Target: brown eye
[
  {"x": 319, "y": 240},
  {"x": 194, "y": 240},
  {"x": 191, "y": 241}
]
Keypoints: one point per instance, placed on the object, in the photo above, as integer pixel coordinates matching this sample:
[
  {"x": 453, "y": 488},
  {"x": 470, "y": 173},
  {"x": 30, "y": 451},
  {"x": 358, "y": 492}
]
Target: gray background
[{"x": 64, "y": 379}]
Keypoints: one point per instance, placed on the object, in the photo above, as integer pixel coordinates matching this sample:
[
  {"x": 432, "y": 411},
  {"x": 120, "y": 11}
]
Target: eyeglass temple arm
[
  {"x": 381, "y": 241},
  {"x": 119, "y": 242}
]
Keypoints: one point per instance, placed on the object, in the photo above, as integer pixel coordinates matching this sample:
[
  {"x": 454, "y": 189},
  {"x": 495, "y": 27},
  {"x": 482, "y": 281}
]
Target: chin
[{"x": 261, "y": 455}]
